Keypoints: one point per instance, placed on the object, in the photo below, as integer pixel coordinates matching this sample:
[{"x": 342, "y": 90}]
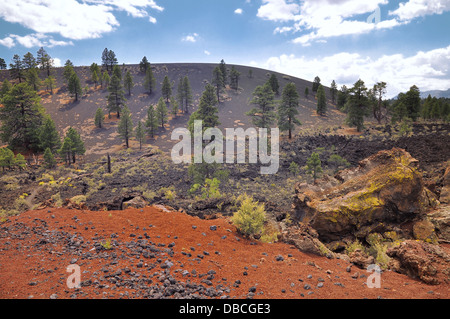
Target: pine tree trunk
[{"x": 109, "y": 164}]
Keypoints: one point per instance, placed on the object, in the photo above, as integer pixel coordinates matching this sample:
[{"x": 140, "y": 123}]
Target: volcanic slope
[{"x": 234, "y": 103}]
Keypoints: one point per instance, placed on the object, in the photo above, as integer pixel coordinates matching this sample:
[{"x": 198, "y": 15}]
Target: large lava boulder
[{"x": 384, "y": 191}]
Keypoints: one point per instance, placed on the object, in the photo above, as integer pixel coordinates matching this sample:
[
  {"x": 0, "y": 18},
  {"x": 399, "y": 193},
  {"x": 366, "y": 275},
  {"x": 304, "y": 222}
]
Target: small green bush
[
  {"x": 78, "y": 199},
  {"x": 250, "y": 217}
]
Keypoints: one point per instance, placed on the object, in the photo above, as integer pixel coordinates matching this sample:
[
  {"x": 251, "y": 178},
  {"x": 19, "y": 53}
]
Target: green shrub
[
  {"x": 294, "y": 169},
  {"x": 250, "y": 217},
  {"x": 337, "y": 162},
  {"x": 78, "y": 199},
  {"x": 209, "y": 189},
  {"x": 21, "y": 205}
]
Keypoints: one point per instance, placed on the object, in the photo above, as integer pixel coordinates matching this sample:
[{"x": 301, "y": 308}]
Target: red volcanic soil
[{"x": 158, "y": 253}]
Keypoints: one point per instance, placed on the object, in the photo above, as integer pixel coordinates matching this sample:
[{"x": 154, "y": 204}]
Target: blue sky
[{"x": 409, "y": 43}]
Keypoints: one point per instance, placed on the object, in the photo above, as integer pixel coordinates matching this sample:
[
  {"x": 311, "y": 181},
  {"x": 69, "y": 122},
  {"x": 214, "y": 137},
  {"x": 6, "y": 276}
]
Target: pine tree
[
  {"x": 234, "y": 78},
  {"x": 263, "y": 114},
  {"x": 20, "y": 161},
  {"x": 29, "y": 62},
  {"x": 316, "y": 84},
  {"x": 50, "y": 83},
  {"x": 412, "y": 100},
  {"x": 106, "y": 79},
  {"x": 288, "y": 109},
  {"x": 140, "y": 134},
  {"x": 184, "y": 94},
  {"x": 306, "y": 92},
  {"x": 74, "y": 86},
  {"x": 105, "y": 59},
  {"x": 314, "y": 166},
  {"x": 333, "y": 91},
  {"x": 49, "y": 159},
  {"x": 99, "y": 118},
  {"x": 379, "y": 90},
  {"x": 161, "y": 112},
  {"x": 187, "y": 94},
  {"x": 16, "y": 68},
  {"x": 68, "y": 70},
  {"x": 77, "y": 145},
  {"x": 357, "y": 103},
  {"x": 66, "y": 150},
  {"x": 342, "y": 96},
  {"x": 116, "y": 98},
  {"x": 117, "y": 72},
  {"x": 321, "y": 101},
  {"x": 166, "y": 89},
  {"x": 48, "y": 135},
  {"x": 33, "y": 78},
  {"x": 2, "y": 64},
  {"x": 144, "y": 65},
  {"x": 207, "y": 110},
  {"x": 128, "y": 82},
  {"x": 21, "y": 117},
  {"x": 149, "y": 81},
  {"x": 152, "y": 121},
  {"x": 94, "y": 78},
  {"x": 6, "y": 87},
  {"x": 175, "y": 107},
  {"x": 44, "y": 61},
  {"x": 125, "y": 128},
  {"x": 95, "y": 68},
  {"x": 273, "y": 81},
  {"x": 223, "y": 70},
  {"x": 7, "y": 159},
  {"x": 217, "y": 81}
]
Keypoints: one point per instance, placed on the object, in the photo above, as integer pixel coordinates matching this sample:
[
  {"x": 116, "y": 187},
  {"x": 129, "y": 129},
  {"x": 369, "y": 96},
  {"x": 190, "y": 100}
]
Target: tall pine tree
[
  {"x": 116, "y": 98},
  {"x": 321, "y": 101},
  {"x": 288, "y": 109},
  {"x": 21, "y": 117},
  {"x": 152, "y": 121},
  {"x": 161, "y": 112},
  {"x": 207, "y": 110},
  {"x": 49, "y": 136},
  {"x": 125, "y": 127},
  {"x": 217, "y": 81},
  {"x": 166, "y": 89},
  {"x": 357, "y": 105},
  {"x": 263, "y": 114}
]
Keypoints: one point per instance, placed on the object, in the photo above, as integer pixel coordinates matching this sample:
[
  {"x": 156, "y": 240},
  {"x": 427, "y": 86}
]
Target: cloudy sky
[{"x": 403, "y": 42}]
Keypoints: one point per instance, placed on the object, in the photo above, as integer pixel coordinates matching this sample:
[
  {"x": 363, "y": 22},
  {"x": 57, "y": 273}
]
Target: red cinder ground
[{"x": 32, "y": 270}]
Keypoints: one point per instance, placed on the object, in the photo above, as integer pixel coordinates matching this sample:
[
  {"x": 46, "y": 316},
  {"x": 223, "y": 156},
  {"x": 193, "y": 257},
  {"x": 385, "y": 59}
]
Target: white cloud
[
  {"x": 278, "y": 10},
  {"x": 57, "y": 62},
  {"x": 419, "y": 8},
  {"x": 135, "y": 8},
  {"x": 190, "y": 38},
  {"x": 152, "y": 19},
  {"x": 282, "y": 29},
  {"x": 238, "y": 11},
  {"x": 207, "y": 52},
  {"x": 321, "y": 19},
  {"x": 33, "y": 40},
  {"x": 428, "y": 70},
  {"x": 7, "y": 42},
  {"x": 72, "y": 19}
]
